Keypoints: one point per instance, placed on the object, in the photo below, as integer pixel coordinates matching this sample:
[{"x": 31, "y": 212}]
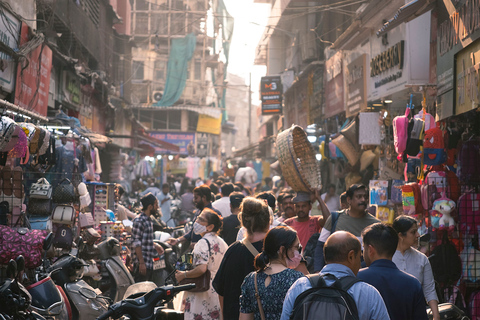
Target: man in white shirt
[
  {"x": 331, "y": 199},
  {"x": 165, "y": 200},
  {"x": 223, "y": 204},
  {"x": 246, "y": 175}
]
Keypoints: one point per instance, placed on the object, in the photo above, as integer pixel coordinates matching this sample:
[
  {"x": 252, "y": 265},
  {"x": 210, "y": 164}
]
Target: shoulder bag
[
  {"x": 64, "y": 214},
  {"x": 250, "y": 247},
  {"x": 202, "y": 283},
  {"x": 42, "y": 189},
  {"x": 257, "y": 296},
  {"x": 64, "y": 192}
]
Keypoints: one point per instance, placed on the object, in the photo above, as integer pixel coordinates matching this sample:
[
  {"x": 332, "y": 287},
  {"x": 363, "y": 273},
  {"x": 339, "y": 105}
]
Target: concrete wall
[{"x": 25, "y": 8}]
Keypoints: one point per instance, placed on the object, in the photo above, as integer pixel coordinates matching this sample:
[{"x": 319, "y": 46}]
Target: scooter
[
  {"x": 141, "y": 306},
  {"x": 48, "y": 299},
  {"x": 14, "y": 298},
  {"x": 85, "y": 303}
]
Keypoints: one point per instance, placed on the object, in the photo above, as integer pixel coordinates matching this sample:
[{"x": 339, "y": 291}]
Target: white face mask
[{"x": 198, "y": 228}]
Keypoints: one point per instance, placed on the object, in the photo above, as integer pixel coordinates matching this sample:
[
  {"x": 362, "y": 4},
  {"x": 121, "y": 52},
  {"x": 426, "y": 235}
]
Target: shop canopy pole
[{"x": 13, "y": 107}]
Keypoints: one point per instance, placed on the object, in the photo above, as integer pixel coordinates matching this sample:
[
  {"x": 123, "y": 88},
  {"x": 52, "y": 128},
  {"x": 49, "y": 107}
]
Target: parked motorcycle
[
  {"x": 85, "y": 303},
  {"x": 142, "y": 306},
  {"x": 14, "y": 298}
]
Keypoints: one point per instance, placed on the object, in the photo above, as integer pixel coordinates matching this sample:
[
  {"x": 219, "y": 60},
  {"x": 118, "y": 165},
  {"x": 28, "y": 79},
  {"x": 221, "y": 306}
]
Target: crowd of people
[{"x": 267, "y": 251}]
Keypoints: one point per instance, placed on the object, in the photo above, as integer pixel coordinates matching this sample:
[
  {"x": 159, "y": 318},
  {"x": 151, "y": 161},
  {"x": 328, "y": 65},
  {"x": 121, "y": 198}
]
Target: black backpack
[
  {"x": 327, "y": 302},
  {"x": 446, "y": 263}
]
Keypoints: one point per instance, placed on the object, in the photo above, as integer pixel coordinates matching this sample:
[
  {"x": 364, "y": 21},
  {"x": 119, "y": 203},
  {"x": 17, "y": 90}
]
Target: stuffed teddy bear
[{"x": 445, "y": 206}]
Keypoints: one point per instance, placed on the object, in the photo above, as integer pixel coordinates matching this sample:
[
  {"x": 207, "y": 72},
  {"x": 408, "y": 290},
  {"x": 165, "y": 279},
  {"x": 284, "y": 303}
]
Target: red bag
[{"x": 21, "y": 241}]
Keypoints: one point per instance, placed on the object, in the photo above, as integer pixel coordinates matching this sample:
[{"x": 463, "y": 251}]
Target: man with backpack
[
  {"x": 335, "y": 293},
  {"x": 354, "y": 220},
  {"x": 402, "y": 293}
]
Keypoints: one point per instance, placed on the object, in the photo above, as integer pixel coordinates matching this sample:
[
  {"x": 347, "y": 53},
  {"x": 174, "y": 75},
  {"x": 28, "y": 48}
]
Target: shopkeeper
[{"x": 121, "y": 212}]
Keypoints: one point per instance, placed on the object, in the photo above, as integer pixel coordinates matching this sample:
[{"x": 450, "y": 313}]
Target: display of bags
[
  {"x": 63, "y": 237},
  {"x": 21, "y": 241},
  {"x": 434, "y": 147},
  {"x": 64, "y": 192},
  {"x": 7, "y": 130},
  {"x": 85, "y": 220},
  {"x": 64, "y": 214},
  {"x": 39, "y": 207},
  {"x": 41, "y": 223},
  {"x": 42, "y": 189},
  {"x": 400, "y": 132}
]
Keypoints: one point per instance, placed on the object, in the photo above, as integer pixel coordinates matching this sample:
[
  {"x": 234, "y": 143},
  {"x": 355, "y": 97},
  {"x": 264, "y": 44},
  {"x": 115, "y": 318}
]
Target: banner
[
  {"x": 209, "y": 124},
  {"x": 9, "y": 35},
  {"x": 271, "y": 95},
  {"x": 182, "y": 139}
]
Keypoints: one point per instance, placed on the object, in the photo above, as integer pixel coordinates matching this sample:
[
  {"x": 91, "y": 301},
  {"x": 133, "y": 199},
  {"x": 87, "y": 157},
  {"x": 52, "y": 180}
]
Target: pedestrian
[
  {"x": 303, "y": 223},
  {"x": 223, "y": 204},
  {"x": 187, "y": 206},
  {"x": 143, "y": 248},
  {"x": 342, "y": 255},
  {"x": 273, "y": 276},
  {"x": 354, "y": 220},
  {"x": 165, "y": 200},
  {"x": 246, "y": 175},
  {"x": 207, "y": 254},
  {"x": 238, "y": 260},
  {"x": 231, "y": 224},
  {"x": 287, "y": 207},
  {"x": 401, "y": 292},
  {"x": 331, "y": 199},
  {"x": 414, "y": 262}
]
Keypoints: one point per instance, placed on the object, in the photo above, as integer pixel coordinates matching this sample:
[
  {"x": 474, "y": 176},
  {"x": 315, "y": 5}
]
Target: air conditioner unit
[{"x": 157, "y": 96}]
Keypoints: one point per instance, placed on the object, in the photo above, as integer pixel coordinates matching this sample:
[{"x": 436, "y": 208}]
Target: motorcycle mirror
[
  {"x": 11, "y": 269},
  {"x": 80, "y": 244},
  {"x": 47, "y": 243},
  {"x": 20, "y": 263}
]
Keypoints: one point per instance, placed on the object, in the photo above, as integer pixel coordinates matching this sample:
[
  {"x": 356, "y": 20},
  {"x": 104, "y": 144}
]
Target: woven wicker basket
[{"x": 297, "y": 160}]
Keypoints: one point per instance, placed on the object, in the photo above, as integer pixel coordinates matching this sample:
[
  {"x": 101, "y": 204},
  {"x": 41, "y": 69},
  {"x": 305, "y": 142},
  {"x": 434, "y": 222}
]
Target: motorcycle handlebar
[{"x": 106, "y": 315}]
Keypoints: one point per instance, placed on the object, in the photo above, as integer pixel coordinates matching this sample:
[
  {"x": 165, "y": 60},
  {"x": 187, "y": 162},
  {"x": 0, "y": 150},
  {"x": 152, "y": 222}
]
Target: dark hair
[
  {"x": 288, "y": 195},
  {"x": 165, "y": 185},
  {"x": 354, "y": 188},
  {"x": 239, "y": 185},
  {"x": 214, "y": 188},
  {"x": 343, "y": 197},
  {"x": 331, "y": 185},
  {"x": 277, "y": 237},
  {"x": 148, "y": 199},
  {"x": 269, "y": 197},
  {"x": 382, "y": 237},
  {"x": 213, "y": 218},
  {"x": 267, "y": 180},
  {"x": 217, "y": 196},
  {"x": 338, "y": 251},
  {"x": 204, "y": 191},
  {"x": 120, "y": 189},
  {"x": 227, "y": 188},
  {"x": 403, "y": 223},
  {"x": 242, "y": 164},
  {"x": 254, "y": 215},
  {"x": 236, "y": 199},
  {"x": 185, "y": 186}
]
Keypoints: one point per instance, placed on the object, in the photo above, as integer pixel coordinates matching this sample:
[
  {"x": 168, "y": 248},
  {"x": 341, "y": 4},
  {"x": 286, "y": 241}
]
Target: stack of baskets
[{"x": 297, "y": 160}]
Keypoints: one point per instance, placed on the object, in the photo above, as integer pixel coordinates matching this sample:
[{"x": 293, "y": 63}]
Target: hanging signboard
[
  {"x": 271, "y": 95},
  {"x": 467, "y": 79},
  {"x": 181, "y": 139},
  {"x": 202, "y": 144},
  {"x": 33, "y": 82},
  {"x": 209, "y": 124},
  {"x": 356, "y": 86},
  {"x": 334, "y": 86},
  {"x": 9, "y": 35}
]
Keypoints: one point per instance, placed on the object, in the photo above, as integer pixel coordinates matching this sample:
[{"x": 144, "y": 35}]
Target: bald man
[{"x": 342, "y": 253}]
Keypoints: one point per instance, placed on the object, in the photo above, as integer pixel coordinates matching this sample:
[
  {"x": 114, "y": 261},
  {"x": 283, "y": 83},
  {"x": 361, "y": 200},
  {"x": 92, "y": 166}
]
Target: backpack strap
[
  {"x": 335, "y": 215},
  {"x": 316, "y": 280},
  {"x": 346, "y": 283}
]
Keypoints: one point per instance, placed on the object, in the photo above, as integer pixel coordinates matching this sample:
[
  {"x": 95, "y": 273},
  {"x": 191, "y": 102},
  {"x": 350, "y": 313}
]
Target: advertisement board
[
  {"x": 334, "y": 95},
  {"x": 356, "y": 85},
  {"x": 271, "y": 95},
  {"x": 467, "y": 78},
  {"x": 9, "y": 35},
  {"x": 181, "y": 139}
]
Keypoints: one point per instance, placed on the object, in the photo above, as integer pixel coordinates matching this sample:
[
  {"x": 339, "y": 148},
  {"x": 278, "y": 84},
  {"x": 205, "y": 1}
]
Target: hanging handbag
[
  {"x": 41, "y": 223},
  {"x": 64, "y": 214},
  {"x": 63, "y": 237},
  {"x": 21, "y": 241},
  {"x": 42, "y": 189},
  {"x": 64, "y": 192},
  {"x": 39, "y": 207},
  {"x": 85, "y": 220},
  {"x": 202, "y": 283}
]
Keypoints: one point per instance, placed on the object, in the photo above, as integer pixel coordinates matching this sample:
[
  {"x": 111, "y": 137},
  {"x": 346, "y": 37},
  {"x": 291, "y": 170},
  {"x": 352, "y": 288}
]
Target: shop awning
[
  {"x": 206, "y": 110},
  {"x": 406, "y": 13}
]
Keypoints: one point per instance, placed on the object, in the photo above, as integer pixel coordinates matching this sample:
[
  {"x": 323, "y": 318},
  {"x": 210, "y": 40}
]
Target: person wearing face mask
[
  {"x": 207, "y": 254},
  {"x": 274, "y": 274},
  {"x": 354, "y": 220}
]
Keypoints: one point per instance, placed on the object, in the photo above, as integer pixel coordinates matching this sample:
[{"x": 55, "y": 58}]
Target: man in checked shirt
[{"x": 144, "y": 249}]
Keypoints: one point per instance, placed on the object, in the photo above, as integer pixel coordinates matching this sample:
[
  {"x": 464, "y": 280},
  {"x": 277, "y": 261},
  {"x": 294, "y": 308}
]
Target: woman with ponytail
[{"x": 273, "y": 276}]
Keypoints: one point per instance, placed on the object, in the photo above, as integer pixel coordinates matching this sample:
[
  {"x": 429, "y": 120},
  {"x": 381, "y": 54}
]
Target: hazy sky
[{"x": 250, "y": 21}]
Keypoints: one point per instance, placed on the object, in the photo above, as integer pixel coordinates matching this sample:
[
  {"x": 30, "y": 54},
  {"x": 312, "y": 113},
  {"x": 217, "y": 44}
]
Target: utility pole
[{"x": 250, "y": 108}]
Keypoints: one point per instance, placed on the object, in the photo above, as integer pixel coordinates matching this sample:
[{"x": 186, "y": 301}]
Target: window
[
  {"x": 145, "y": 117},
  {"x": 198, "y": 70},
  {"x": 141, "y": 5},
  {"x": 160, "y": 70},
  {"x": 167, "y": 119},
  {"x": 160, "y": 119},
  {"x": 137, "y": 70},
  {"x": 159, "y": 23},
  {"x": 174, "y": 119},
  {"x": 177, "y": 24},
  {"x": 269, "y": 129},
  {"x": 192, "y": 121},
  {"x": 141, "y": 23}
]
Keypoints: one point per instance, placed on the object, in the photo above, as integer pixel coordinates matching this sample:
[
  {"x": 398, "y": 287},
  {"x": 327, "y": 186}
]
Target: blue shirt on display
[{"x": 369, "y": 302}]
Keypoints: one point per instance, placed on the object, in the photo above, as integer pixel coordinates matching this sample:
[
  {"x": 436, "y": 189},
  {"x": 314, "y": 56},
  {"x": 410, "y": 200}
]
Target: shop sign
[
  {"x": 467, "y": 79},
  {"x": 209, "y": 124},
  {"x": 356, "y": 82},
  {"x": 334, "y": 102},
  {"x": 460, "y": 24},
  {"x": 271, "y": 95},
  {"x": 388, "y": 59},
  {"x": 202, "y": 144},
  {"x": 33, "y": 82},
  {"x": 180, "y": 139},
  {"x": 9, "y": 35},
  {"x": 71, "y": 89}
]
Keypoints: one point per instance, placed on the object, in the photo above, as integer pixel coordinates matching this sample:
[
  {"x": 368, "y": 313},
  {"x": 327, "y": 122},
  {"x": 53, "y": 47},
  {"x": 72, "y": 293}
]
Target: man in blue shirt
[
  {"x": 401, "y": 292},
  {"x": 342, "y": 253}
]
